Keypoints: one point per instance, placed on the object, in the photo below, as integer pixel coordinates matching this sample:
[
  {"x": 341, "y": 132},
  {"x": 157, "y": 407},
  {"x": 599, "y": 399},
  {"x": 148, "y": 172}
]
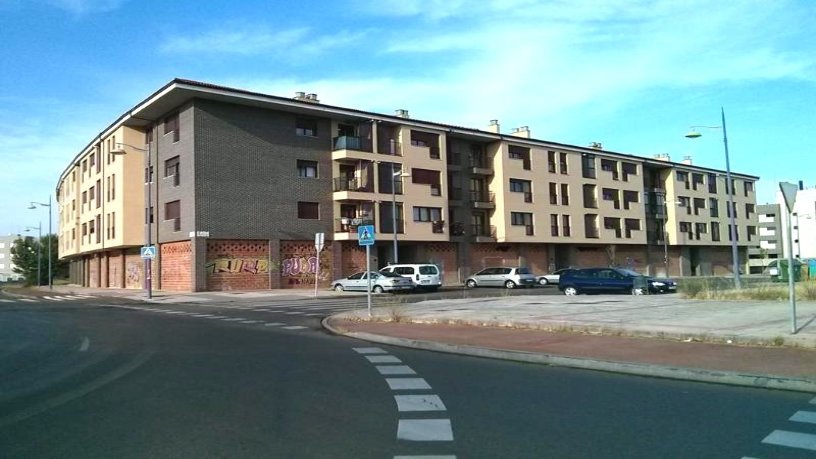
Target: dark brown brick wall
[{"x": 238, "y": 264}]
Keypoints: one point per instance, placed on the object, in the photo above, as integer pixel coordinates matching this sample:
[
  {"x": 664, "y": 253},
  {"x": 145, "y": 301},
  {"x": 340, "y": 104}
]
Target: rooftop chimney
[
  {"x": 303, "y": 97},
  {"x": 493, "y": 126},
  {"x": 523, "y": 131},
  {"x": 402, "y": 113},
  {"x": 662, "y": 157},
  {"x": 300, "y": 95},
  {"x": 686, "y": 160},
  {"x": 596, "y": 145}
]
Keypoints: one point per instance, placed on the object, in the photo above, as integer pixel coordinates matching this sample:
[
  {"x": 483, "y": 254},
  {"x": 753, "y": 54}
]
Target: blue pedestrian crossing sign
[
  {"x": 365, "y": 234},
  {"x": 149, "y": 251}
]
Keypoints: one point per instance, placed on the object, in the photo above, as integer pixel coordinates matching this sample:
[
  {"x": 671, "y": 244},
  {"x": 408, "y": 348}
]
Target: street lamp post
[
  {"x": 120, "y": 150},
  {"x": 730, "y": 189},
  {"x": 50, "y": 272},
  {"x": 39, "y": 249},
  {"x": 394, "y": 175}
]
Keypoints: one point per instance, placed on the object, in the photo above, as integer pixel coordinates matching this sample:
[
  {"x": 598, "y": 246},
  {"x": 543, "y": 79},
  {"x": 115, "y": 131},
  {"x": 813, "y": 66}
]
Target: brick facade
[
  {"x": 298, "y": 265},
  {"x": 176, "y": 266},
  {"x": 238, "y": 264},
  {"x": 134, "y": 271}
]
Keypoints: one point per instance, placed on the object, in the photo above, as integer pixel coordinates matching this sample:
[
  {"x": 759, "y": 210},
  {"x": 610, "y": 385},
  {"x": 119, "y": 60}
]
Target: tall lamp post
[
  {"x": 34, "y": 205},
  {"x": 148, "y": 262},
  {"x": 394, "y": 175},
  {"x": 39, "y": 249},
  {"x": 693, "y": 134}
]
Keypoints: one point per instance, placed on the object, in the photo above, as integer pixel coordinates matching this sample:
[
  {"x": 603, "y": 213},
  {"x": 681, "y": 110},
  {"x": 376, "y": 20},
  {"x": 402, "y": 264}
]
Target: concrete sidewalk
[{"x": 741, "y": 343}]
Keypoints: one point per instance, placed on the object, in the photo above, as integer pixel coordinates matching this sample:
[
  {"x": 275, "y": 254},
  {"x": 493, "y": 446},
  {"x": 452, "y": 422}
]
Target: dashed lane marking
[
  {"x": 232, "y": 319},
  {"x": 294, "y": 327},
  {"x": 6, "y": 301},
  {"x": 27, "y": 300},
  {"x": 407, "y": 383},
  {"x": 53, "y": 298},
  {"x": 313, "y": 315},
  {"x": 804, "y": 416},
  {"x": 428, "y": 402},
  {"x": 791, "y": 439},
  {"x": 86, "y": 343},
  {"x": 294, "y": 313},
  {"x": 424, "y": 430},
  {"x": 368, "y": 350},
  {"x": 383, "y": 359},
  {"x": 395, "y": 370},
  {"x": 251, "y": 321},
  {"x": 274, "y": 324}
]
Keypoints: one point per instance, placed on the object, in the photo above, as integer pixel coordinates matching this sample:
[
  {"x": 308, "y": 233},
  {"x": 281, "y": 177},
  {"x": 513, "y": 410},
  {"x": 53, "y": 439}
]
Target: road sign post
[
  {"x": 365, "y": 237},
  {"x": 319, "y": 240},
  {"x": 789, "y": 191}
]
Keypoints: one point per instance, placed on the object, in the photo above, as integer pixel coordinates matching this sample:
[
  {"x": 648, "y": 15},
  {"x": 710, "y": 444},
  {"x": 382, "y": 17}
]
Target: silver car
[
  {"x": 553, "y": 278},
  {"x": 502, "y": 277},
  {"x": 380, "y": 282}
]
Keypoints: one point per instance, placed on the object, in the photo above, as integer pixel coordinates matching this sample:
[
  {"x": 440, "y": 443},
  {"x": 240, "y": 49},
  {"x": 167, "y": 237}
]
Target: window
[
  {"x": 149, "y": 174},
  {"x": 93, "y": 159},
  {"x": 591, "y": 226},
  {"x": 307, "y": 168},
  {"x": 629, "y": 197},
  {"x": 610, "y": 166},
  {"x": 171, "y": 169},
  {"x": 699, "y": 203},
  {"x": 522, "y": 219},
  {"x": 685, "y": 201},
  {"x": 553, "y": 193},
  {"x": 522, "y": 186},
  {"x": 749, "y": 188},
  {"x": 612, "y": 223},
  {"x": 84, "y": 229},
  {"x": 588, "y": 165},
  {"x": 308, "y": 210},
  {"x": 714, "y": 207},
  {"x": 590, "y": 200},
  {"x": 628, "y": 169},
  {"x": 700, "y": 228},
  {"x": 554, "y": 224},
  {"x": 715, "y": 232},
  {"x": 149, "y": 215},
  {"x": 682, "y": 176},
  {"x": 551, "y": 161},
  {"x": 306, "y": 127},
  {"x": 733, "y": 229},
  {"x": 564, "y": 194},
  {"x": 113, "y": 225},
  {"x": 562, "y": 163},
  {"x": 427, "y": 214},
  {"x": 712, "y": 183},
  {"x": 696, "y": 179},
  {"x": 107, "y": 189},
  {"x": 427, "y": 177},
  {"x": 84, "y": 198},
  {"x": 749, "y": 210},
  {"x": 113, "y": 187},
  {"x": 386, "y": 179},
  {"x": 522, "y": 153},
  {"x": 98, "y": 193},
  {"x": 631, "y": 224},
  {"x": 84, "y": 166},
  {"x": 565, "y": 225},
  {"x": 172, "y": 212},
  {"x": 171, "y": 124}
]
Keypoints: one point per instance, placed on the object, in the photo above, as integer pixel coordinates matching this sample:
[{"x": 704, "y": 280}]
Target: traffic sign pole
[
  {"x": 319, "y": 240},
  {"x": 368, "y": 276}
]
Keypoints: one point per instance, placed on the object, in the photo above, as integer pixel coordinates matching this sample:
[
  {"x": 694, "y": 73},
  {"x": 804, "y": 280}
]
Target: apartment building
[
  {"x": 6, "y": 266},
  {"x": 803, "y": 222},
  {"x": 239, "y": 182},
  {"x": 770, "y": 241}
]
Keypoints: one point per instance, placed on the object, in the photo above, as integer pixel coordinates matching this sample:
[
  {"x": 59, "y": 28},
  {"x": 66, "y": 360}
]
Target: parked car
[
  {"x": 380, "y": 282},
  {"x": 502, "y": 277},
  {"x": 425, "y": 276},
  {"x": 596, "y": 280},
  {"x": 553, "y": 278}
]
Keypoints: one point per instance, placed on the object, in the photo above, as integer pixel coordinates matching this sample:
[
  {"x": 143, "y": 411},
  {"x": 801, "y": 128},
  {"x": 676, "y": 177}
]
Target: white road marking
[
  {"x": 383, "y": 359},
  {"x": 233, "y": 319},
  {"x": 73, "y": 297},
  {"x": 215, "y": 317},
  {"x": 202, "y": 315},
  {"x": 274, "y": 324},
  {"x": 6, "y": 301},
  {"x": 251, "y": 321},
  {"x": 804, "y": 416},
  {"x": 368, "y": 350},
  {"x": 426, "y": 457},
  {"x": 395, "y": 370},
  {"x": 86, "y": 343},
  {"x": 427, "y": 402},
  {"x": 294, "y": 327},
  {"x": 314, "y": 315},
  {"x": 425, "y": 430},
  {"x": 293, "y": 313},
  {"x": 53, "y": 298},
  {"x": 407, "y": 383},
  {"x": 261, "y": 310},
  {"x": 27, "y": 300},
  {"x": 791, "y": 439}
]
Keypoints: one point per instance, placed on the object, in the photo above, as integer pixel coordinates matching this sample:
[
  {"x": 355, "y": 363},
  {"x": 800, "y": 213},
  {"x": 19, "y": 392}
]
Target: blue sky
[{"x": 630, "y": 74}]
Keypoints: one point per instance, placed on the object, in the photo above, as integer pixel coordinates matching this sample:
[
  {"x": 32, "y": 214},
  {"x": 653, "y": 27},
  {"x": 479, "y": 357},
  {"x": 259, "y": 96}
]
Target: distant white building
[
  {"x": 803, "y": 223},
  {"x": 6, "y": 266}
]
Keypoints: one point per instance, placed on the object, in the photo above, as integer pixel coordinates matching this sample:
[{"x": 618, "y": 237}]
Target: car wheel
[
  {"x": 377, "y": 289},
  {"x": 510, "y": 284},
  {"x": 543, "y": 281},
  {"x": 338, "y": 288},
  {"x": 637, "y": 291},
  {"x": 570, "y": 291},
  {"x": 470, "y": 283}
]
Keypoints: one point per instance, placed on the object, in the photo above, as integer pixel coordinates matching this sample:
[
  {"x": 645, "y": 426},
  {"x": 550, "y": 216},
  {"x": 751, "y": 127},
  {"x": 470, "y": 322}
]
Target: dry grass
[{"x": 716, "y": 289}]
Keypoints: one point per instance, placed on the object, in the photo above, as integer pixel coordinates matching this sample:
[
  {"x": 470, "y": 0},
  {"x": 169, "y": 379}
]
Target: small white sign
[{"x": 320, "y": 239}]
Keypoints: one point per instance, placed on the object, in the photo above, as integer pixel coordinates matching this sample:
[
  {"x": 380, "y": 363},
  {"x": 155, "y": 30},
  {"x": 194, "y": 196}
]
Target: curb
[{"x": 638, "y": 369}]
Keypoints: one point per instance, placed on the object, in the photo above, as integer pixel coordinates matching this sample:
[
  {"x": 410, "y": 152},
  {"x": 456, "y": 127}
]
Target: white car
[
  {"x": 425, "y": 276},
  {"x": 380, "y": 282},
  {"x": 549, "y": 279}
]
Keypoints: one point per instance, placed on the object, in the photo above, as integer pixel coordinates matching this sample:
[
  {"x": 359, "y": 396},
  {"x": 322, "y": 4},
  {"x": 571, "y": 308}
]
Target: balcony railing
[
  {"x": 347, "y": 142},
  {"x": 478, "y": 230},
  {"x": 438, "y": 226},
  {"x": 457, "y": 229},
  {"x": 482, "y": 196},
  {"x": 351, "y": 184},
  {"x": 350, "y": 224}
]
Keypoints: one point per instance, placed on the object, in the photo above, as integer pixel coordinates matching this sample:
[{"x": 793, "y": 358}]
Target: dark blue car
[{"x": 600, "y": 280}]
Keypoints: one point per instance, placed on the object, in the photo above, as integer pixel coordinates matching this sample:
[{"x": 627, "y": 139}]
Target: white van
[{"x": 424, "y": 276}]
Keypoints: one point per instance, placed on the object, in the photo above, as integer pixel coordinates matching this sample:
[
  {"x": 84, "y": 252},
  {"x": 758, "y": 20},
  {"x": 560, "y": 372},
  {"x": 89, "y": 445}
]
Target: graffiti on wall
[
  {"x": 301, "y": 270},
  {"x": 238, "y": 265}
]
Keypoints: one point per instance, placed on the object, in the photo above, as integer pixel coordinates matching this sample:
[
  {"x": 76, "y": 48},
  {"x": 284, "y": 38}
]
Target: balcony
[
  {"x": 350, "y": 224},
  {"x": 351, "y": 184},
  {"x": 457, "y": 229},
  {"x": 438, "y": 226},
  {"x": 479, "y": 166},
  {"x": 454, "y": 161},
  {"x": 351, "y": 147},
  {"x": 483, "y": 199},
  {"x": 483, "y": 233}
]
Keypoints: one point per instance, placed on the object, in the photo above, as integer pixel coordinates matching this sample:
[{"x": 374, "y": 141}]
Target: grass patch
[{"x": 723, "y": 289}]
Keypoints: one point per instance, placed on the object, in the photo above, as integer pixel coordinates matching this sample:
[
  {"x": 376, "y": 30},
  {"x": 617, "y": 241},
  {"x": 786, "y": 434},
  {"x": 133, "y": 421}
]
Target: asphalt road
[{"x": 89, "y": 378}]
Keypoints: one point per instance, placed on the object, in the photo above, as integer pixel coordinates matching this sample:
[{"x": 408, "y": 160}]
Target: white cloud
[{"x": 82, "y": 7}]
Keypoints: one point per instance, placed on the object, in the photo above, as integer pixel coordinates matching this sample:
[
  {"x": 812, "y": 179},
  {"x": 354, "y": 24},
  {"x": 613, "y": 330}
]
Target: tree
[{"x": 24, "y": 256}]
